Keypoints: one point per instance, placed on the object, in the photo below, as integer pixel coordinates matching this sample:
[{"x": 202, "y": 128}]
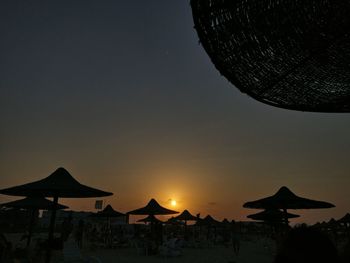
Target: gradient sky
[{"x": 122, "y": 95}]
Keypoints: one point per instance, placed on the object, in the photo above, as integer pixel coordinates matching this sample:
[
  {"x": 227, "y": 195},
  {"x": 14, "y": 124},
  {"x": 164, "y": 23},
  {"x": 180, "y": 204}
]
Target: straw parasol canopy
[
  {"x": 108, "y": 212},
  {"x": 345, "y": 219},
  {"x": 225, "y": 221},
  {"x": 34, "y": 203},
  {"x": 152, "y": 208},
  {"x": 271, "y": 215},
  {"x": 186, "y": 216},
  {"x": 288, "y": 54},
  {"x": 150, "y": 219},
  {"x": 208, "y": 221},
  {"x": 332, "y": 223},
  {"x": 286, "y": 199},
  {"x": 59, "y": 184}
]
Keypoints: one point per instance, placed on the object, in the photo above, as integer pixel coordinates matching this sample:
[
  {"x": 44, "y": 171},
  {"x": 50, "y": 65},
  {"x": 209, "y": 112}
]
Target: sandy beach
[
  {"x": 257, "y": 251},
  {"x": 250, "y": 253}
]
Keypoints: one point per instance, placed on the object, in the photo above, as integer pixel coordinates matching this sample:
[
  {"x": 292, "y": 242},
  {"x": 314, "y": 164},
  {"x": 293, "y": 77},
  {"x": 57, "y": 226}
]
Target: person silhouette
[{"x": 306, "y": 245}]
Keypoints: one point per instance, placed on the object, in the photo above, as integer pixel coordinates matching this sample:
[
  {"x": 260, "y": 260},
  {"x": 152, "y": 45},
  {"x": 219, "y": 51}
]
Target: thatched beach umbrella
[
  {"x": 152, "y": 208},
  {"x": 186, "y": 216},
  {"x": 345, "y": 219},
  {"x": 59, "y": 184},
  {"x": 332, "y": 224},
  {"x": 208, "y": 221},
  {"x": 108, "y": 212},
  {"x": 225, "y": 221},
  {"x": 285, "y": 199},
  {"x": 33, "y": 204},
  {"x": 289, "y": 54},
  {"x": 272, "y": 216}
]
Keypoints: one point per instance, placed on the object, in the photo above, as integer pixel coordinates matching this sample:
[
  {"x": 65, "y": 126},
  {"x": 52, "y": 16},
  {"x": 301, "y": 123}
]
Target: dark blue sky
[{"x": 122, "y": 95}]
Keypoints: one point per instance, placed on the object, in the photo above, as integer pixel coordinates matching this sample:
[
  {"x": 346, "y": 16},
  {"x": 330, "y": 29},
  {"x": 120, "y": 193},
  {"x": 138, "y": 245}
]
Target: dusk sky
[{"x": 122, "y": 95}]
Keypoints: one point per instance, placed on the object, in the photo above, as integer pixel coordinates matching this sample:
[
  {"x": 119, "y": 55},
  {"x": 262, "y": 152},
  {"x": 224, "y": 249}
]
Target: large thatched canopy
[
  {"x": 286, "y": 199},
  {"x": 290, "y": 54},
  {"x": 58, "y": 184}
]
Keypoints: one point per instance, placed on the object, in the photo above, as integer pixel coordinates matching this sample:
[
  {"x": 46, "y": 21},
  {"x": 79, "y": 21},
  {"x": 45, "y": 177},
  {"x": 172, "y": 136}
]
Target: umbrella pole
[
  {"x": 109, "y": 240},
  {"x": 285, "y": 216},
  {"x": 30, "y": 231},
  {"x": 51, "y": 229}
]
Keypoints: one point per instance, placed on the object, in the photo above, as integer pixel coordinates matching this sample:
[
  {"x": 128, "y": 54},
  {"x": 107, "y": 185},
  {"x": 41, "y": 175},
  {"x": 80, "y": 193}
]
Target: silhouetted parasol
[
  {"x": 59, "y": 184},
  {"x": 39, "y": 203},
  {"x": 150, "y": 219},
  {"x": 207, "y": 221},
  {"x": 33, "y": 204},
  {"x": 152, "y": 208},
  {"x": 225, "y": 222},
  {"x": 272, "y": 215},
  {"x": 289, "y": 54},
  {"x": 286, "y": 199},
  {"x": 345, "y": 219},
  {"x": 332, "y": 223},
  {"x": 108, "y": 212},
  {"x": 186, "y": 216}
]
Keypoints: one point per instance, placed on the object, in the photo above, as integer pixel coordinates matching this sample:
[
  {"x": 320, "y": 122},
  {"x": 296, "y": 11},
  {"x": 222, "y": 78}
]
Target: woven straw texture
[{"x": 293, "y": 54}]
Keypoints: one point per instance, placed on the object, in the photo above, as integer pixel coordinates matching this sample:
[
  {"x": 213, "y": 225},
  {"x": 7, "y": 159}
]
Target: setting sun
[{"x": 173, "y": 202}]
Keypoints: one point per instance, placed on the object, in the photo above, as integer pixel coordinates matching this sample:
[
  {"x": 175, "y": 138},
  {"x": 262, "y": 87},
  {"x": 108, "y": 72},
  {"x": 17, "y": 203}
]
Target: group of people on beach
[{"x": 300, "y": 244}]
